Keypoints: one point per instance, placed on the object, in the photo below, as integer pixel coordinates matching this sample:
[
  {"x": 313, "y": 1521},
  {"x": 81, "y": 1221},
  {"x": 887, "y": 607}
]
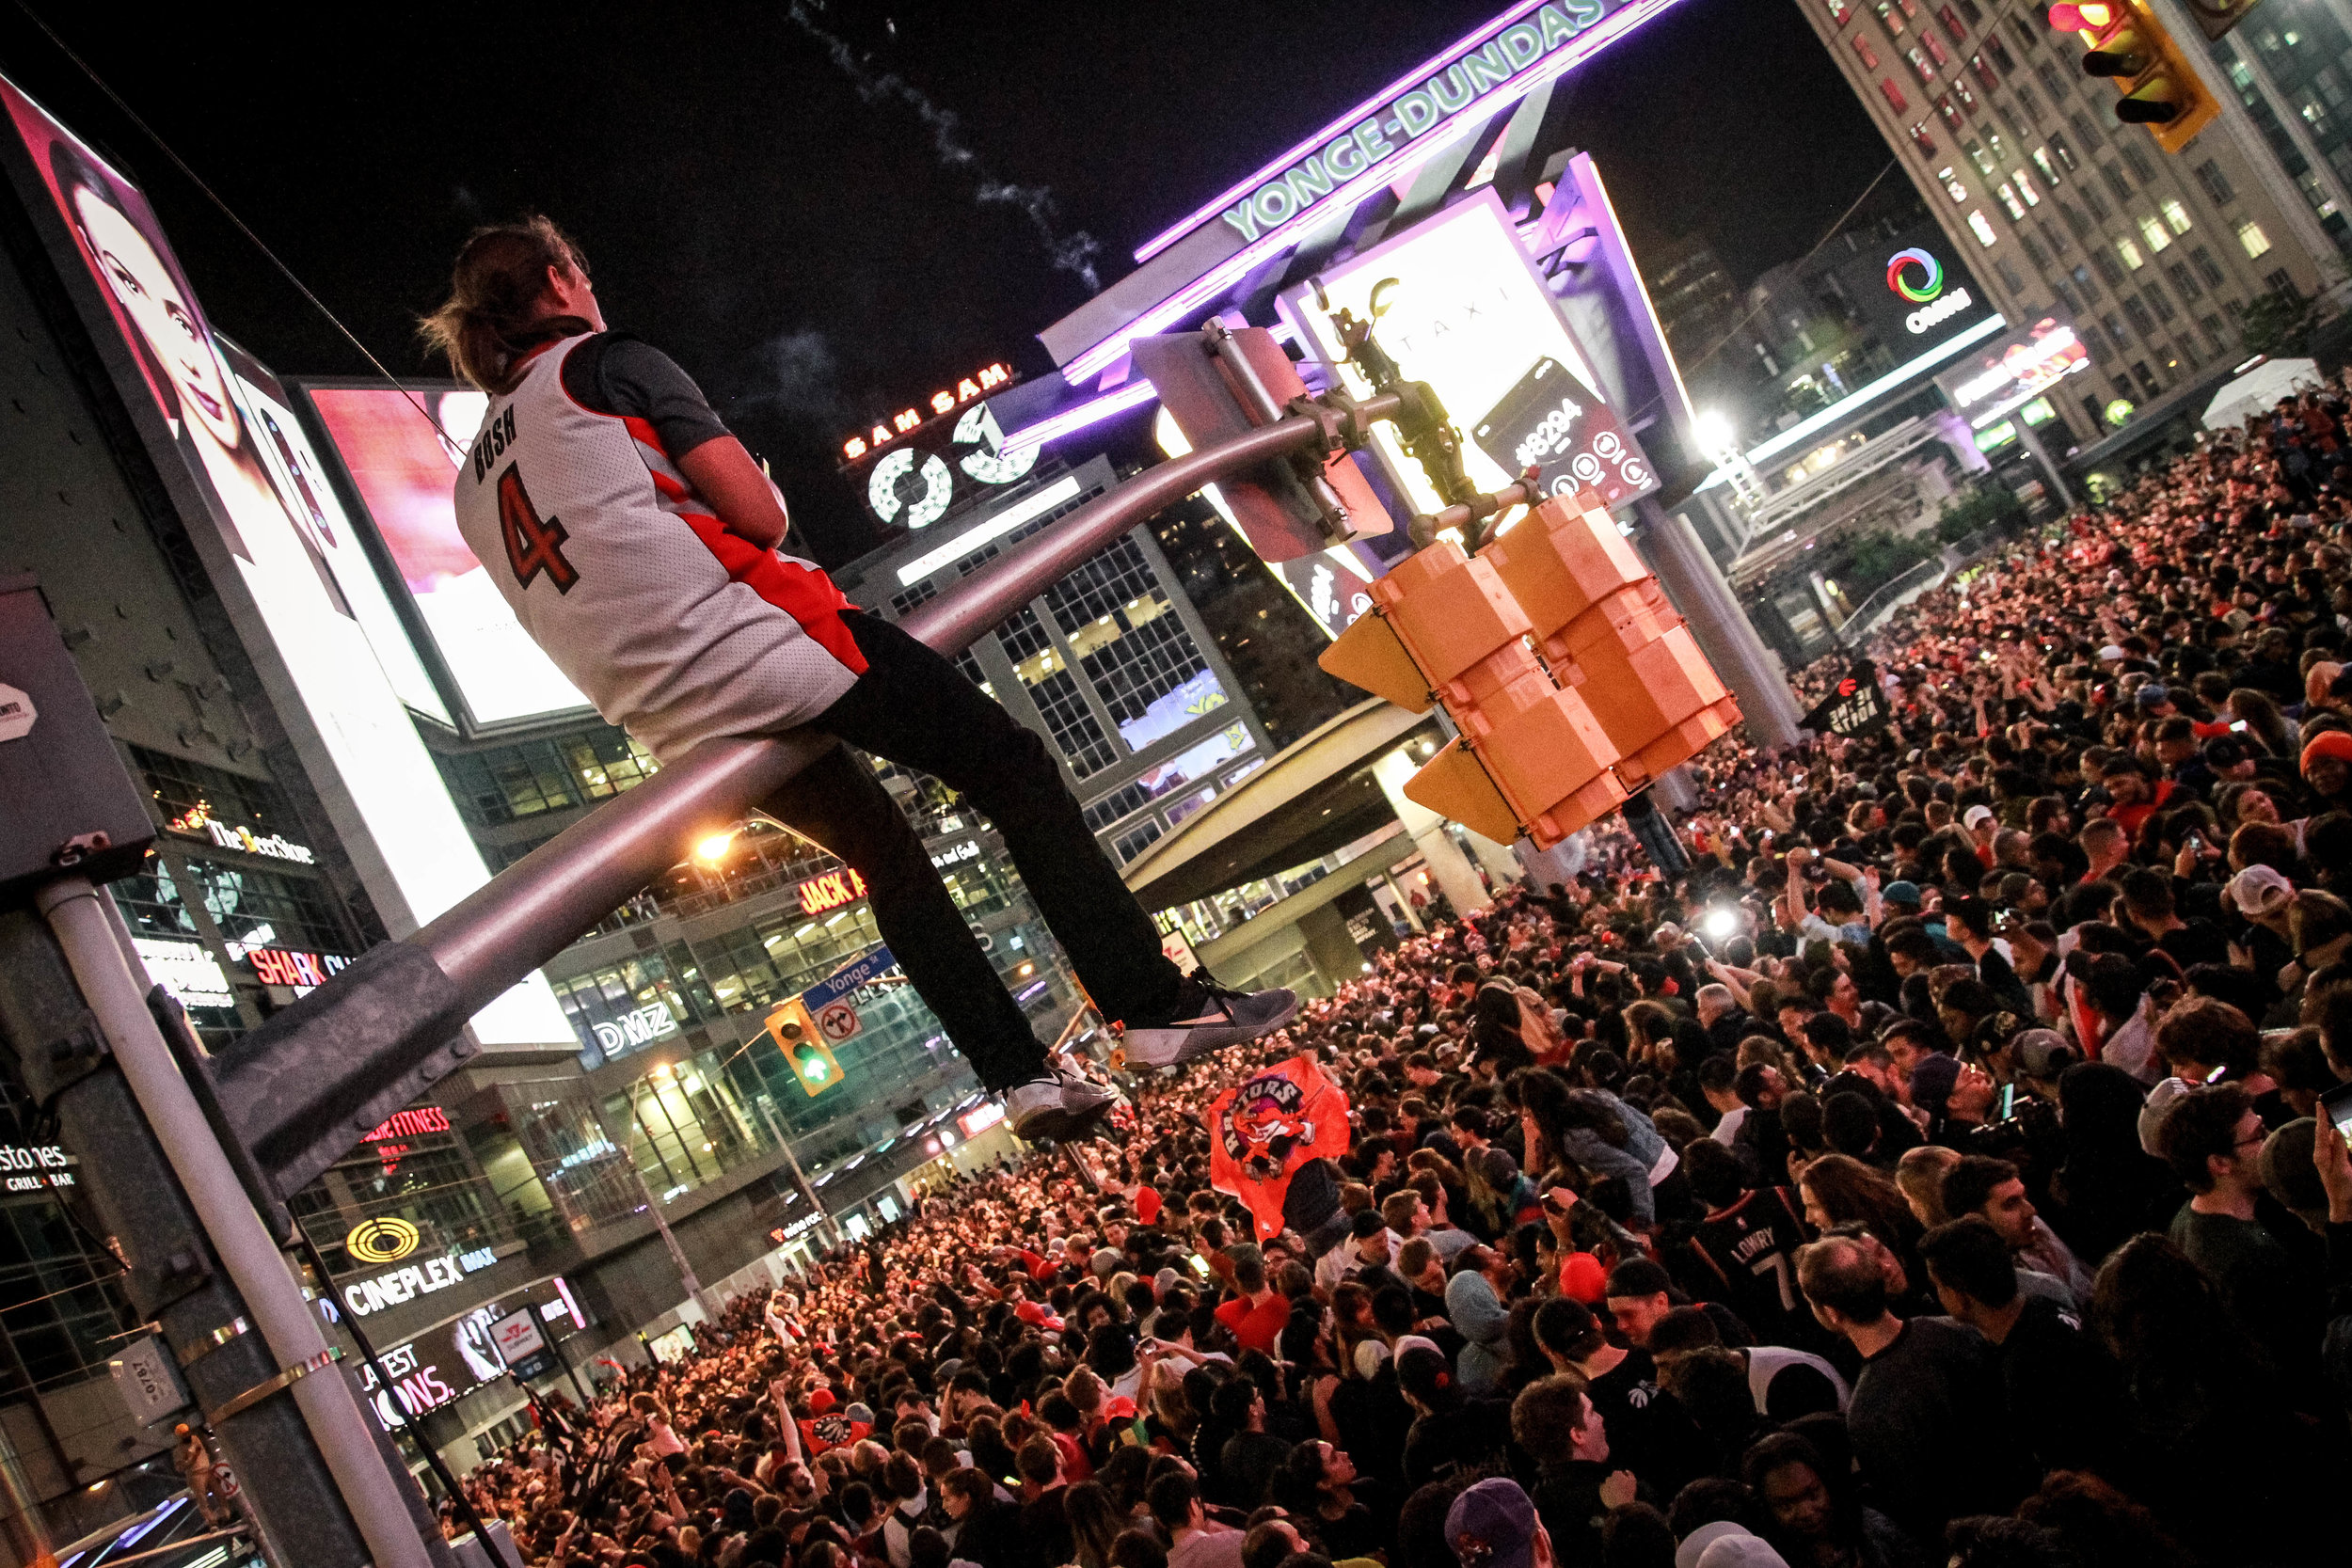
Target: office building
[{"x": 2063, "y": 211}]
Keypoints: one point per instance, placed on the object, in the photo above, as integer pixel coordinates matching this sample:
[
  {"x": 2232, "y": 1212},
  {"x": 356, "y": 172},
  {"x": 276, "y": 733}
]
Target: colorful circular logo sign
[
  {"x": 1901, "y": 261},
  {"x": 382, "y": 1241}
]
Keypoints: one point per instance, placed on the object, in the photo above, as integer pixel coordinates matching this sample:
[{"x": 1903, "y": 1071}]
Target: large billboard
[
  {"x": 1456, "y": 302},
  {"x": 301, "y": 593},
  {"x": 402, "y": 447},
  {"x": 2010, "y": 373},
  {"x": 1912, "y": 291}
]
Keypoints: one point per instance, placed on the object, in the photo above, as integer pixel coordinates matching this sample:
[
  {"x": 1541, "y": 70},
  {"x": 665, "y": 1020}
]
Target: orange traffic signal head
[
  {"x": 2120, "y": 52},
  {"x": 2153, "y": 104},
  {"x": 2084, "y": 16}
]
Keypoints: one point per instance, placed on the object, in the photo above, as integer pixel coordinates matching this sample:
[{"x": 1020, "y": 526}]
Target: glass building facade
[{"x": 1113, "y": 664}]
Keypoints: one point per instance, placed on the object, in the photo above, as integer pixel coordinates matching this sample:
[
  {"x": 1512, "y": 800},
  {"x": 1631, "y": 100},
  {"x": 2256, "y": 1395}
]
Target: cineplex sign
[{"x": 402, "y": 1285}]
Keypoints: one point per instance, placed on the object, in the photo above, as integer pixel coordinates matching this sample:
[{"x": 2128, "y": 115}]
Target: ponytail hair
[{"x": 492, "y": 317}]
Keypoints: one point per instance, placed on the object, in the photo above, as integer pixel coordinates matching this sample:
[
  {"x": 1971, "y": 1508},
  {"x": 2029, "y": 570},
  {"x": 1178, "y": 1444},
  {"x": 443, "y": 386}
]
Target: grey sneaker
[
  {"x": 1057, "y": 1107},
  {"x": 1207, "y": 1016}
]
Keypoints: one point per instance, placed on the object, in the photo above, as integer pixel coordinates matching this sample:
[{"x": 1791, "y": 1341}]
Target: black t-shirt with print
[{"x": 615, "y": 373}]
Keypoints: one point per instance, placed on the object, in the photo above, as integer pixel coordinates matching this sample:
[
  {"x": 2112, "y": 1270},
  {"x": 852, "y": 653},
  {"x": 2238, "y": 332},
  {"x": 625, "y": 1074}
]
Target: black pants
[{"x": 917, "y": 709}]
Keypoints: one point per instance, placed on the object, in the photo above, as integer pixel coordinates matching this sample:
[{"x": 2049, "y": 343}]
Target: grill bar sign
[
  {"x": 1855, "y": 706},
  {"x": 35, "y": 1167}
]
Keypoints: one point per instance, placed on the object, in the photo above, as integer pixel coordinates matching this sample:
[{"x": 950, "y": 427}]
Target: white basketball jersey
[{"x": 676, "y": 629}]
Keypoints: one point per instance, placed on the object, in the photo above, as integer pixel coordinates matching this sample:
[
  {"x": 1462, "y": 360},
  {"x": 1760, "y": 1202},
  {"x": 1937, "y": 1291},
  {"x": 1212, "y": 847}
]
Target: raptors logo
[
  {"x": 832, "y": 1430},
  {"x": 1269, "y": 1127}
]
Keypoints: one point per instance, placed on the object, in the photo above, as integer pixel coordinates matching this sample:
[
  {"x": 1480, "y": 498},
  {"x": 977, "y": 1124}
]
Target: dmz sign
[{"x": 1470, "y": 78}]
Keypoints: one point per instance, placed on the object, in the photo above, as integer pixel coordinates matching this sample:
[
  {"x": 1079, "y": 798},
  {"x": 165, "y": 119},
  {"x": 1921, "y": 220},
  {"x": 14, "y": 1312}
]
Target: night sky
[{"x": 789, "y": 198}]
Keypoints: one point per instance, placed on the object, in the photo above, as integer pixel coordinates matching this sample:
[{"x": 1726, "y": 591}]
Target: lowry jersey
[
  {"x": 676, "y": 630},
  {"x": 1745, "y": 1257}
]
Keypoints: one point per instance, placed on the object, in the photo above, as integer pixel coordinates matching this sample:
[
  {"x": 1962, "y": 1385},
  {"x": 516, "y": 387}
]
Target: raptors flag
[{"x": 1262, "y": 1132}]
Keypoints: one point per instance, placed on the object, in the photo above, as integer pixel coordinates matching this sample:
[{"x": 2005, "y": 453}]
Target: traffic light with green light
[
  {"x": 2157, "y": 86},
  {"x": 814, "y": 1066}
]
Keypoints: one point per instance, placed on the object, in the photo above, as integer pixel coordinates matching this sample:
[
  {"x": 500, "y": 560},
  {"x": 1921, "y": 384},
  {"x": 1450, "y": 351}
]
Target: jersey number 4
[{"x": 533, "y": 546}]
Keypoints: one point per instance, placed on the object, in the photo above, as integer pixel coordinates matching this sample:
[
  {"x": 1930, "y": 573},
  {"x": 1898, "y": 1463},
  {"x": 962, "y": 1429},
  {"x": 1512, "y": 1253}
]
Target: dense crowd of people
[{"x": 1936, "y": 1171}]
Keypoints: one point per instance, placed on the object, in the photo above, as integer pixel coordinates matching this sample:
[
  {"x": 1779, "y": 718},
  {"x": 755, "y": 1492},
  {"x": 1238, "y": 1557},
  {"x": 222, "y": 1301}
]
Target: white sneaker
[{"x": 1057, "y": 1107}]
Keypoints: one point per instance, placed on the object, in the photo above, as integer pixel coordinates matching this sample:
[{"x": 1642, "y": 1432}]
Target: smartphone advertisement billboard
[
  {"x": 307, "y": 603},
  {"x": 1457, "y": 303},
  {"x": 401, "y": 447}
]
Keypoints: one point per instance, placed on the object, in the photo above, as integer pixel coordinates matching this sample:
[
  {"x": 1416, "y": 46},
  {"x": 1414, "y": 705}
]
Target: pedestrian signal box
[{"x": 1573, "y": 682}]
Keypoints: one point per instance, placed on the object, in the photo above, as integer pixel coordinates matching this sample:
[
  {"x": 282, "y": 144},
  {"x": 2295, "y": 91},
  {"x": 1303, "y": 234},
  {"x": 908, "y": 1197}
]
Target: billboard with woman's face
[{"x": 321, "y": 633}]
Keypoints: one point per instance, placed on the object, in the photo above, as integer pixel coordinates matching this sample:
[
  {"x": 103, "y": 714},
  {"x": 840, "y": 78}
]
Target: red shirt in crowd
[{"x": 1257, "y": 1325}]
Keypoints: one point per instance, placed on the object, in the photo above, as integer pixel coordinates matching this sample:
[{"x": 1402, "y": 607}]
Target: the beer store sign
[{"x": 197, "y": 821}]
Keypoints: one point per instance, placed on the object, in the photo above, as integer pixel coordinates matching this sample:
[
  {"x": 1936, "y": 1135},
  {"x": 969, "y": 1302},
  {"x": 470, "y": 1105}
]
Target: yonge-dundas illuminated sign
[
  {"x": 1381, "y": 140},
  {"x": 1472, "y": 77}
]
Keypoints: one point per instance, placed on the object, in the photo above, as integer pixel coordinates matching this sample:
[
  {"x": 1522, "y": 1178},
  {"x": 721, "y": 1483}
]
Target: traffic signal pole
[
  {"x": 389, "y": 1525},
  {"x": 304, "y": 1087},
  {"x": 1696, "y": 584},
  {"x": 686, "y": 1274}
]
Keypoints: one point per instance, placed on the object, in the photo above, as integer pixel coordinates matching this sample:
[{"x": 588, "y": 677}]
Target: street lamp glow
[
  {"x": 711, "y": 850},
  {"x": 1714, "y": 433}
]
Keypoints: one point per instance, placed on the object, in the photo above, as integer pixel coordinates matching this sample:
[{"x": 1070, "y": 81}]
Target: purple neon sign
[
  {"x": 1560, "y": 48},
  {"x": 1420, "y": 74}
]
